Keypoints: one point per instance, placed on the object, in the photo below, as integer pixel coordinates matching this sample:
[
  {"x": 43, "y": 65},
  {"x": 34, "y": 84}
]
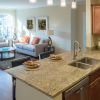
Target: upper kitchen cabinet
[{"x": 96, "y": 19}]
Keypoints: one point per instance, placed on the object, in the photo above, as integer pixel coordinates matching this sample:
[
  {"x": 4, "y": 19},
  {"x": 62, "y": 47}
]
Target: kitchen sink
[
  {"x": 80, "y": 65},
  {"x": 88, "y": 60},
  {"x": 85, "y": 63}
]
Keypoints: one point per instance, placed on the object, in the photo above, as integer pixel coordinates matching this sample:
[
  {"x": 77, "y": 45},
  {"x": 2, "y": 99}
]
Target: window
[{"x": 6, "y": 26}]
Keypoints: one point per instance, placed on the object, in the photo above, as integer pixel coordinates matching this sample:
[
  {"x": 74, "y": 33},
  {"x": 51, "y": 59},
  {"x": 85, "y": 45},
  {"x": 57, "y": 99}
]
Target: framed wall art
[
  {"x": 30, "y": 23},
  {"x": 41, "y": 23}
]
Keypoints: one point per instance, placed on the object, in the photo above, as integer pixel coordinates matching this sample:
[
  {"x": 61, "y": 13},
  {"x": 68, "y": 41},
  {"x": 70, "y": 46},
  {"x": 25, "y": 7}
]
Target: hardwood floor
[{"x": 5, "y": 86}]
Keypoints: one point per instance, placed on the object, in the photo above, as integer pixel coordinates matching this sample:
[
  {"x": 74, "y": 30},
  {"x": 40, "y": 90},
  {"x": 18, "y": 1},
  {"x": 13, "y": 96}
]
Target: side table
[
  {"x": 50, "y": 48},
  {"x": 47, "y": 51}
]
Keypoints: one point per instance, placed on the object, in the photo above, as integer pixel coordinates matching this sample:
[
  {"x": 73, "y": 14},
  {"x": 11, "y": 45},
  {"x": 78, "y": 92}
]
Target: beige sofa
[{"x": 32, "y": 50}]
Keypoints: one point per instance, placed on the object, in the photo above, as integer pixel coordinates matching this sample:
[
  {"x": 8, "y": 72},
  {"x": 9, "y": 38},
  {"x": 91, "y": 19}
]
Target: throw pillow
[
  {"x": 25, "y": 39},
  {"x": 35, "y": 40}
]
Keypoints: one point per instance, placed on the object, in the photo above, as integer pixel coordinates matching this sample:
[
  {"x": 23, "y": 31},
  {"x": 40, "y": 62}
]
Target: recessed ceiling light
[
  {"x": 32, "y": 1},
  {"x": 63, "y": 3},
  {"x": 74, "y": 4},
  {"x": 49, "y": 2}
]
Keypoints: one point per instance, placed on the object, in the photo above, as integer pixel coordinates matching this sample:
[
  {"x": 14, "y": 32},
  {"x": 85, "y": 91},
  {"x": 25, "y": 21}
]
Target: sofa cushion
[
  {"x": 35, "y": 40},
  {"x": 19, "y": 45},
  {"x": 29, "y": 47},
  {"x": 24, "y": 39}
]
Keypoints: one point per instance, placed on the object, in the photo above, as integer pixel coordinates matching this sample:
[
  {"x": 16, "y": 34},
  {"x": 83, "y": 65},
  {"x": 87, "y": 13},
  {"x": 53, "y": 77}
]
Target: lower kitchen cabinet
[
  {"x": 94, "y": 86},
  {"x": 94, "y": 90}
]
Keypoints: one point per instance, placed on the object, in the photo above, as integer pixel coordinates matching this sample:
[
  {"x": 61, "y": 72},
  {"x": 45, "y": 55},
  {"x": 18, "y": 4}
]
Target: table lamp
[{"x": 50, "y": 32}]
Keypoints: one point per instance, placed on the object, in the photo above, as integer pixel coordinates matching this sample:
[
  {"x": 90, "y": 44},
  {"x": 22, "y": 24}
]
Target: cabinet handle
[{"x": 79, "y": 90}]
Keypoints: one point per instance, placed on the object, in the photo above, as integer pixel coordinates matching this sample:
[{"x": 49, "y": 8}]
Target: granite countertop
[{"x": 53, "y": 77}]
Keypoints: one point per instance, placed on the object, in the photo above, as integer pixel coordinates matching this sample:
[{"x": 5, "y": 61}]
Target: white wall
[
  {"x": 66, "y": 23},
  {"x": 78, "y": 25},
  {"x": 59, "y": 21},
  {"x": 73, "y": 27},
  {"x": 81, "y": 24}
]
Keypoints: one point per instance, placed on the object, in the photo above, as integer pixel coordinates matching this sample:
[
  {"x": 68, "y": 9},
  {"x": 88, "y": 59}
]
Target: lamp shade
[
  {"x": 74, "y": 5},
  {"x": 49, "y": 2},
  {"x": 50, "y": 32},
  {"x": 32, "y": 1},
  {"x": 63, "y": 3}
]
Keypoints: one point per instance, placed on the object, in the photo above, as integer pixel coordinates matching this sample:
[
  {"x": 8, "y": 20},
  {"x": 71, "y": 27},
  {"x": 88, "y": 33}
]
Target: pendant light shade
[
  {"x": 32, "y": 1},
  {"x": 50, "y": 2},
  {"x": 74, "y": 4},
  {"x": 63, "y": 3}
]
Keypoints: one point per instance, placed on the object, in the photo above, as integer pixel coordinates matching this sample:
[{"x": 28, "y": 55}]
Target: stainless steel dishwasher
[{"x": 77, "y": 92}]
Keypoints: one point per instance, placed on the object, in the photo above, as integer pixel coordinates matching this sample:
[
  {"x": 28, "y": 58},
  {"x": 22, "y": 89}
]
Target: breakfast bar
[{"x": 52, "y": 78}]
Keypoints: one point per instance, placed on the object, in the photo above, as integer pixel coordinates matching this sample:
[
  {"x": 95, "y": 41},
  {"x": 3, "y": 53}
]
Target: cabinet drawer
[{"x": 94, "y": 75}]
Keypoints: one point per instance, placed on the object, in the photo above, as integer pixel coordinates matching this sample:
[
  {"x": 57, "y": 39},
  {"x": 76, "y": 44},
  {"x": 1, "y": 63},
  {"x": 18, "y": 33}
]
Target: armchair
[{"x": 4, "y": 43}]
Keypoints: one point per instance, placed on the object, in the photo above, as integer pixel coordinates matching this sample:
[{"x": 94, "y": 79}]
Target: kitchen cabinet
[
  {"x": 94, "y": 86},
  {"x": 96, "y": 19},
  {"x": 77, "y": 92}
]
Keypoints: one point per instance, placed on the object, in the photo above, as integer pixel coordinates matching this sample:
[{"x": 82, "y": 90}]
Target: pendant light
[
  {"x": 63, "y": 3},
  {"x": 50, "y": 2},
  {"x": 32, "y": 1},
  {"x": 74, "y": 4}
]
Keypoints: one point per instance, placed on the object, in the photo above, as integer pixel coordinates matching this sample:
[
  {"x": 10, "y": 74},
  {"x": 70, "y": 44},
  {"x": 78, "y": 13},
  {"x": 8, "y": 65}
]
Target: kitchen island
[{"x": 52, "y": 78}]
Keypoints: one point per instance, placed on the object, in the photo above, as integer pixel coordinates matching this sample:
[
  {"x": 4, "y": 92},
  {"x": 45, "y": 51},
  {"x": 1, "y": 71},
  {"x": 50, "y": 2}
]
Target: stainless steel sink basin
[
  {"x": 80, "y": 65},
  {"x": 88, "y": 60},
  {"x": 85, "y": 63}
]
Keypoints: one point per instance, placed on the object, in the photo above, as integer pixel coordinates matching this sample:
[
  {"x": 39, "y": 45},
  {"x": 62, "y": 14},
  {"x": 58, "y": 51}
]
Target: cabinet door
[
  {"x": 96, "y": 19},
  {"x": 94, "y": 90}
]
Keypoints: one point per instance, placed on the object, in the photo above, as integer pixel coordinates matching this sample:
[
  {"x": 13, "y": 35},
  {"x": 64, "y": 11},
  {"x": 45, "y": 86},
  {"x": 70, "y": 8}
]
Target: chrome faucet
[{"x": 76, "y": 49}]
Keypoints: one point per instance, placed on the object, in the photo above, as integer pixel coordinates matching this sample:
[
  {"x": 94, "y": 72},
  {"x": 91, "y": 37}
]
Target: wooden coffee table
[{"x": 7, "y": 52}]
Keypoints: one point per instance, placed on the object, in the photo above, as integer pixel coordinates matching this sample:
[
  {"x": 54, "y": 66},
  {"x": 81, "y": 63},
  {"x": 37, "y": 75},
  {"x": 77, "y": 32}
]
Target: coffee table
[{"x": 7, "y": 52}]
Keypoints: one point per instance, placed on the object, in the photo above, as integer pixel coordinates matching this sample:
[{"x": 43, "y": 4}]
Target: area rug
[{"x": 5, "y": 64}]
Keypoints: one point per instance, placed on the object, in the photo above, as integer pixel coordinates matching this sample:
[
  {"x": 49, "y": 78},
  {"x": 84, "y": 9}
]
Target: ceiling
[{"x": 21, "y": 4}]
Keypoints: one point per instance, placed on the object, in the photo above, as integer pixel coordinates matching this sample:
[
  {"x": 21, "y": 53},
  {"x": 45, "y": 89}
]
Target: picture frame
[
  {"x": 30, "y": 23},
  {"x": 42, "y": 23}
]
